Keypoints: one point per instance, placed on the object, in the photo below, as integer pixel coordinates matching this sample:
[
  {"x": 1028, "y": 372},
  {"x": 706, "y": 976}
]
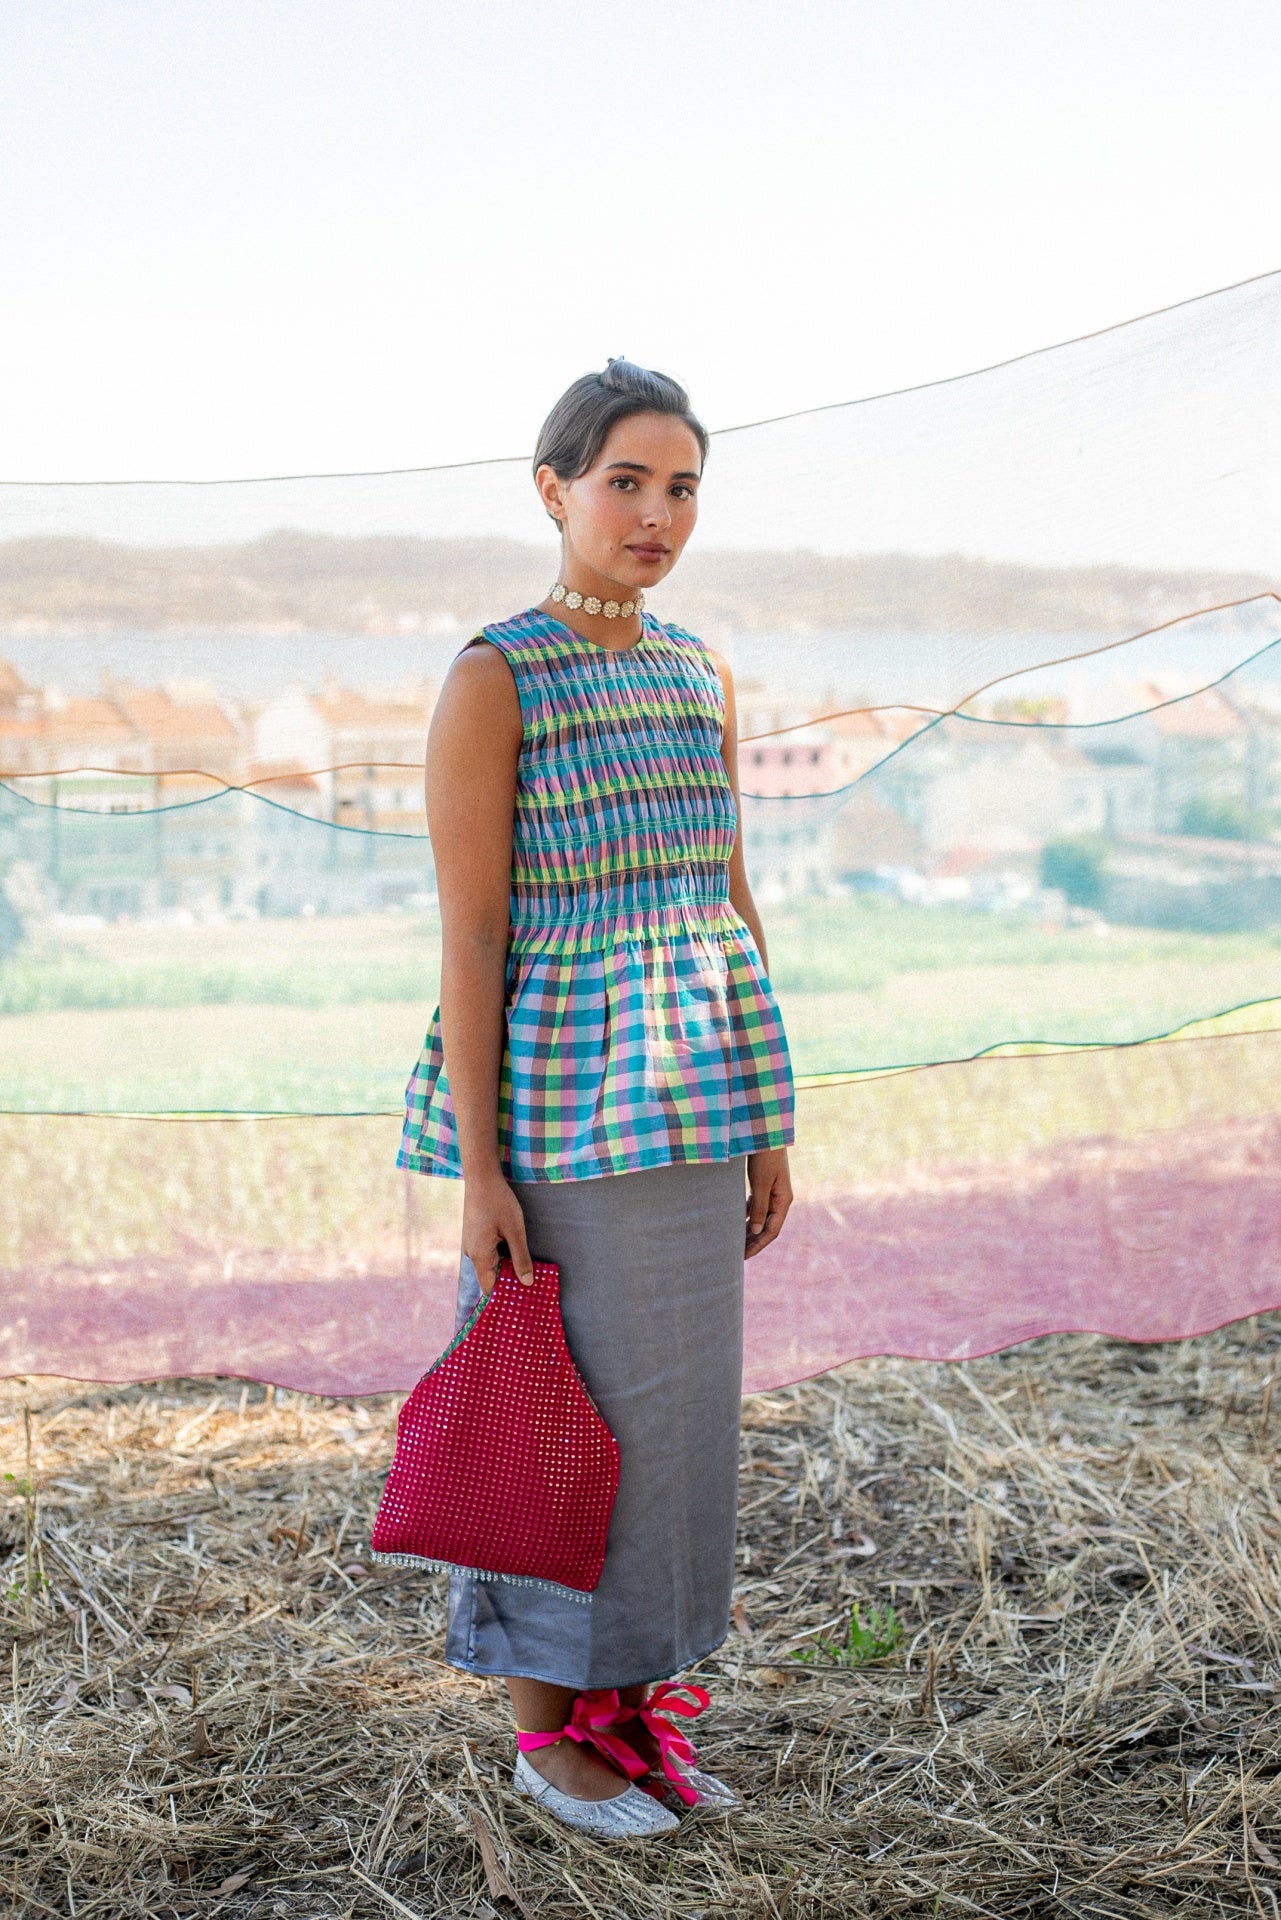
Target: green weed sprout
[{"x": 872, "y": 1633}]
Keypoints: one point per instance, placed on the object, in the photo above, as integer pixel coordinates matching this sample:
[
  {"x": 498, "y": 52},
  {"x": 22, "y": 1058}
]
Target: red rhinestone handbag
[{"x": 503, "y": 1466}]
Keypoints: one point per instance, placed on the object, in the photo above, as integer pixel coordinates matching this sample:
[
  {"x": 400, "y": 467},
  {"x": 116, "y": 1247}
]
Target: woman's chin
[{"x": 644, "y": 574}]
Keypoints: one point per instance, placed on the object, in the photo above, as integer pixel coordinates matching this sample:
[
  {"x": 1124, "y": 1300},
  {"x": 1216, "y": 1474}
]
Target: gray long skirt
[{"x": 651, "y": 1273}]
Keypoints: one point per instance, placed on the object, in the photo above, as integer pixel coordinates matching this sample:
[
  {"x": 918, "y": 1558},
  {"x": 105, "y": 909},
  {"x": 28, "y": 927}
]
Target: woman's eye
[
  {"x": 623, "y": 480},
  {"x": 684, "y": 493}
]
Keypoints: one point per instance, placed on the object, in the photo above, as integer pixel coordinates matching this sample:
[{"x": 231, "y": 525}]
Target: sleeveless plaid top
[{"x": 641, "y": 1024}]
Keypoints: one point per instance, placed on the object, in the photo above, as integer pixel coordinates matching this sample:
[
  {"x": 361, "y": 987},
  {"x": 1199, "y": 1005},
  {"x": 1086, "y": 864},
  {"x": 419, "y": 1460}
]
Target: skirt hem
[{"x": 583, "y": 1686}]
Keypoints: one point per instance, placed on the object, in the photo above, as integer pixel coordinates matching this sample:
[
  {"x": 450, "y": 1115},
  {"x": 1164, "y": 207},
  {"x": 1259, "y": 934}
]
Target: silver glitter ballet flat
[
  {"x": 709, "y": 1792},
  {"x": 630, "y": 1815}
]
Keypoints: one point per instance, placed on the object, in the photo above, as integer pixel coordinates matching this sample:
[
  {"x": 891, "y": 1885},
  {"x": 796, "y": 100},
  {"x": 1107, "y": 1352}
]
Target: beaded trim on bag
[{"x": 481, "y": 1573}]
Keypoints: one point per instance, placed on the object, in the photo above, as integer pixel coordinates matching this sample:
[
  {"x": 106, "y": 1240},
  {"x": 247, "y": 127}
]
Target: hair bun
[{"x": 575, "y": 429}]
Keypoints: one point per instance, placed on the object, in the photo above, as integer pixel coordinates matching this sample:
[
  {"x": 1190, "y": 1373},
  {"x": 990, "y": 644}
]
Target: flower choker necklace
[{"x": 590, "y": 604}]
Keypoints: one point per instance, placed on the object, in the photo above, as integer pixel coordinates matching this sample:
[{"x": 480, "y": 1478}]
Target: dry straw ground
[{"x": 214, "y": 1705}]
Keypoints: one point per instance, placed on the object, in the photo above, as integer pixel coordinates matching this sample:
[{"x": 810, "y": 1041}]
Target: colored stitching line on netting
[
  {"x": 182, "y": 806},
  {"x": 224, "y": 786},
  {"x": 1044, "y": 666},
  {"x": 1013, "y": 360},
  {"x": 936, "y": 716},
  {"x": 1052, "y": 1049},
  {"x": 746, "y": 426},
  {"x": 1041, "y": 727},
  {"x": 997, "y": 1052}
]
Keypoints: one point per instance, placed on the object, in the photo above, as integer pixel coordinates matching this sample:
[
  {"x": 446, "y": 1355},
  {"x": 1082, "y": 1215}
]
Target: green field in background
[
  {"x": 329, "y": 1014},
  {"x": 83, "y": 1190}
]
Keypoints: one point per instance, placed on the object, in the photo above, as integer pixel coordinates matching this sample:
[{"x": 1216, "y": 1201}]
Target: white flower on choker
[{"x": 590, "y": 604}]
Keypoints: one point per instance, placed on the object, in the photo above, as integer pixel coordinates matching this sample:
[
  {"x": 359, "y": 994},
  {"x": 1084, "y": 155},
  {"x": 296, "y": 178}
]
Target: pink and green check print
[{"x": 641, "y": 1024}]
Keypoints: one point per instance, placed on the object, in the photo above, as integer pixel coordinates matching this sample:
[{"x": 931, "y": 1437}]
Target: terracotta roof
[
  {"x": 87, "y": 718},
  {"x": 1206, "y": 716},
  {"x": 276, "y": 776},
  {"x": 22, "y": 744},
  {"x": 882, "y": 723},
  {"x": 191, "y": 782},
  {"x": 157, "y": 714},
  {"x": 12, "y": 685},
  {"x": 348, "y": 711}
]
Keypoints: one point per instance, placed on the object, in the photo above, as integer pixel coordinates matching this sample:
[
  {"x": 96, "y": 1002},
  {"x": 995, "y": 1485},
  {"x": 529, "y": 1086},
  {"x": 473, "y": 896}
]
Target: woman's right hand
[{"x": 492, "y": 1213}]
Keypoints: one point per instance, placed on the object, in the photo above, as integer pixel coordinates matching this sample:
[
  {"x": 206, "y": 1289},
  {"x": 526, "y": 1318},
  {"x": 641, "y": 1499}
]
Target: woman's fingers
[
  {"x": 493, "y": 1226},
  {"x": 519, "y": 1247},
  {"x": 758, "y": 1207},
  {"x": 770, "y": 1231},
  {"x": 771, "y": 1196}
]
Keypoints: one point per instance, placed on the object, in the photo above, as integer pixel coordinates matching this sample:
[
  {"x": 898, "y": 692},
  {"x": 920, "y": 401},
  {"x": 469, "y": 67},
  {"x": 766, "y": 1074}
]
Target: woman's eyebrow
[{"x": 636, "y": 466}]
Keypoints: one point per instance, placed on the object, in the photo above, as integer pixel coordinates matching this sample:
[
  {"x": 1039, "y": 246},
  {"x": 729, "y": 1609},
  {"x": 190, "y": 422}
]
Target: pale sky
[{"x": 263, "y": 236}]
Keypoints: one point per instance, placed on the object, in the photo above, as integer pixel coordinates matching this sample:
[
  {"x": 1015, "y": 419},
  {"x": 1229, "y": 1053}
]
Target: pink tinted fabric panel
[
  {"x": 1154, "y": 1240},
  {"x": 937, "y": 1215}
]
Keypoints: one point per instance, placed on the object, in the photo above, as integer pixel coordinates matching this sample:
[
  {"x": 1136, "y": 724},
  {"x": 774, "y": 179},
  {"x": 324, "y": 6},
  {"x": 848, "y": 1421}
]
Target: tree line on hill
[{"x": 311, "y": 582}]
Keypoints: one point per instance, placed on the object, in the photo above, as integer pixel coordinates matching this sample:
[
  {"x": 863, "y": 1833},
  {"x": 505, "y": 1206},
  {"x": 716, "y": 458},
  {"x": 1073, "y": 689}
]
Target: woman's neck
[{"x": 591, "y": 593}]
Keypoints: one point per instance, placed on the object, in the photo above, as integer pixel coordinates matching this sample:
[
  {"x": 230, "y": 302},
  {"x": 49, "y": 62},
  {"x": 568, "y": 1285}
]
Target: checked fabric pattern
[{"x": 641, "y": 1024}]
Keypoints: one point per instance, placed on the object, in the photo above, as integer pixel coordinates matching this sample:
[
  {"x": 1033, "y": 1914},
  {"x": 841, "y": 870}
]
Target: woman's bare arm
[
  {"x": 472, "y": 748},
  {"x": 768, "y": 1174}
]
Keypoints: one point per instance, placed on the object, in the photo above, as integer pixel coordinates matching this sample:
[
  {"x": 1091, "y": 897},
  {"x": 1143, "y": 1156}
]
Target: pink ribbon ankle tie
[
  {"x": 594, "y": 1715},
  {"x": 672, "y": 1743},
  {"x": 598, "y": 1711}
]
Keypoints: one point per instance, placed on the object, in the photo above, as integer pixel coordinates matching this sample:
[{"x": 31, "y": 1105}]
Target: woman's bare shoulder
[{"x": 482, "y": 668}]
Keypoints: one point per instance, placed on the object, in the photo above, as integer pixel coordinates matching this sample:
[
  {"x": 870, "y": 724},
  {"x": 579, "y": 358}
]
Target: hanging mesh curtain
[{"x": 1008, "y": 657}]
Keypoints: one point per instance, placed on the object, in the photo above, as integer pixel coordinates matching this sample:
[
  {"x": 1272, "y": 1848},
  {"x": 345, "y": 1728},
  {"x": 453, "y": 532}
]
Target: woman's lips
[{"x": 648, "y": 553}]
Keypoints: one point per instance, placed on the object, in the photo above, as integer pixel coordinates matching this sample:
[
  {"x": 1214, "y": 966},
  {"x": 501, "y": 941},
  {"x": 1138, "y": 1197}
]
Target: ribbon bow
[
  {"x": 672, "y": 1743},
  {"x": 595, "y": 1715}
]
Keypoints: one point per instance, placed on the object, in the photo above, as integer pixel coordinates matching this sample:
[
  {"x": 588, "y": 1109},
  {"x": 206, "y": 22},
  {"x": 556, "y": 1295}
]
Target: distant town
[{"x": 149, "y": 802}]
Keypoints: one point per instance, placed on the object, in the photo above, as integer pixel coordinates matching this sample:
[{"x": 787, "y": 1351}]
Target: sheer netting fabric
[{"x": 1007, "y": 651}]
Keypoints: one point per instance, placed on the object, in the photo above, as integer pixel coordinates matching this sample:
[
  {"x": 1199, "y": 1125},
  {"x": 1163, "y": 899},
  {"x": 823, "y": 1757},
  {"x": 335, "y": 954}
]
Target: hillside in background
[{"x": 303, "y": 582}]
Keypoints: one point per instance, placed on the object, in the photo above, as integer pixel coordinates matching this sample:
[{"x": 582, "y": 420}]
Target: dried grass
[{"x": 214, "y": 1705}]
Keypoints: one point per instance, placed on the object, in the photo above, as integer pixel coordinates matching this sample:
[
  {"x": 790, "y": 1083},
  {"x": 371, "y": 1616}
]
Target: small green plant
[
  {"x": 871, "y": 1634},
  {"x": 32, "y": 1577},
  {"x": 30, "y": 1580}
]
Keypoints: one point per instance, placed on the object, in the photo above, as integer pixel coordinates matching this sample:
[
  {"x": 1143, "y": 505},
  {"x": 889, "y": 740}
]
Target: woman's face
[{"x": 626, "y": 520}]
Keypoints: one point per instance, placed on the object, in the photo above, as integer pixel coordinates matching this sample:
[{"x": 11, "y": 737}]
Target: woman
[{"x": 616, "y": 1062}]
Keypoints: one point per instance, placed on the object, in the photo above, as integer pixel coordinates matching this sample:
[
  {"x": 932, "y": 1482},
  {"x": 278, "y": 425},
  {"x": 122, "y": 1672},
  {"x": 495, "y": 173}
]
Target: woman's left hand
[{"x": 771, "y": 1196}]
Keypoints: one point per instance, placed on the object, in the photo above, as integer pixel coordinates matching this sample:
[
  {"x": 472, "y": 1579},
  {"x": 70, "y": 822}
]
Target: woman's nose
[{"x": 658, "y": 513}]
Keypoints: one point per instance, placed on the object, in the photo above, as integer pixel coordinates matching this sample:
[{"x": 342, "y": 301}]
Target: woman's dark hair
[{"x": 578, "y": 425}]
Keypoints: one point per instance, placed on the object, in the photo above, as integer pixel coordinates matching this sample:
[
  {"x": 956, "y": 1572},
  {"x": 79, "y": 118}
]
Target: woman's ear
[{"x": 551, "y": 490}]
